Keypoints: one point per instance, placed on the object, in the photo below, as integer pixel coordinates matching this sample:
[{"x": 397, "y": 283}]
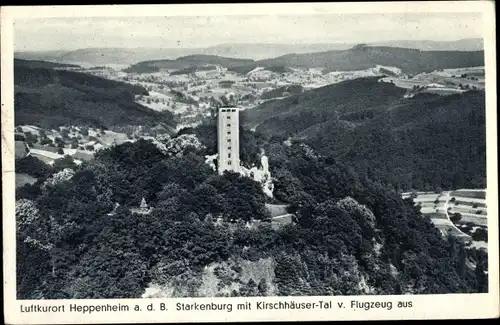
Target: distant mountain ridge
[
  {"x": 266, "y": 51},
  {"x": 466, "y": 44},
  {"x": 359, "y": 57},
  {"x": 364, "y": 57},
  {"x": 254, "y": 51}
]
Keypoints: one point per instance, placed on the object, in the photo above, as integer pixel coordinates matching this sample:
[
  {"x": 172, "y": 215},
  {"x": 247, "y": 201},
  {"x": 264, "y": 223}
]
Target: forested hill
[
  {"x": 351, "y": 236},
  {"x": 357, "y": 58},
  {"x": 41, "y": 64},
  {"x": 364, "y": 57},
  {"x": 317, "y": 104},
  {"x": 50, "y": 98},
  {"x": 425, "y": 142},
  {"x": 187, "y": 62}
]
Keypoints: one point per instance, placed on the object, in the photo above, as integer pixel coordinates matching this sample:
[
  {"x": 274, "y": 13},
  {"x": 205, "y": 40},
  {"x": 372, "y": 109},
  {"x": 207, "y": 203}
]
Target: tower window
[
  {"x": 229, "y": 117},
  {"x": 228, "y": 155},
  {"x": 228, "y": 140},
  {"x": 228, "y": 125},
  {"x": 229, "y": 148},
  {"x": 228, "y": 132},
  {"x": 233, "y": 110}
]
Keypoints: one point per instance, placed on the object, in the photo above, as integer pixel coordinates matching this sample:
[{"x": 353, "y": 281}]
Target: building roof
[{"x": 228, "y": 108}]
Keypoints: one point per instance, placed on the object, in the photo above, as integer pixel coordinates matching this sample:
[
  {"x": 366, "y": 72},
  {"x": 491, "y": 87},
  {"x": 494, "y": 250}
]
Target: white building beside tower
[{"x": 228, "y": 139}]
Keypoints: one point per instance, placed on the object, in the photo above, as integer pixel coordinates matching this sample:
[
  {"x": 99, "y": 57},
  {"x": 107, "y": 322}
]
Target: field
[
  {"x": 480, "y": 244},
  {"x": 467, "y": 209},
  {"x": 442, "y": 82},
  {"x": 480, "y": 203},
  {"x": 474, "y": 194},
  {"x": 471, "y": 218},
  {"x": 471, "y": 206},
  {"x": 444, "y": 91}
]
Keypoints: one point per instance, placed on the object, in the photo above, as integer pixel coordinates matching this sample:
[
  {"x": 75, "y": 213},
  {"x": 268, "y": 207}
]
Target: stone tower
[{"x": 228, "y": 139}]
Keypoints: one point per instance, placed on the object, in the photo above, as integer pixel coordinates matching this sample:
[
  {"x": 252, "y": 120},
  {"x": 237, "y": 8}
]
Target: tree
[
  {"x": 65, "y": 133},
  {"x": 456, "y": 217},
  {"x": 84, "y": 131},
  {"x": 481, "y": 234},
  {"x": 60, "y": 151},
  {"x": 302, "y": 207},
  {"x": 249, "y": 289},
  {"x": 224, "y": 100},
  {"x": 481, "y": 279},
  {"x": 31, "y": 138},
  {"x": 63, "y": 163},
  {"x": 46, "y": 141},
  {"x": 262, "y": 287}
]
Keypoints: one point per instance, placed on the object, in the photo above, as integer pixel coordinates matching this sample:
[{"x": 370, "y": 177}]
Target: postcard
[{"x": 249, "y": 162}]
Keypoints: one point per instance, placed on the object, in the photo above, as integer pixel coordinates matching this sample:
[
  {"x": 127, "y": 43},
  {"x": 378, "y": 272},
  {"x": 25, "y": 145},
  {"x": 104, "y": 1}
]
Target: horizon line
[{"x": 247, "y": 43}]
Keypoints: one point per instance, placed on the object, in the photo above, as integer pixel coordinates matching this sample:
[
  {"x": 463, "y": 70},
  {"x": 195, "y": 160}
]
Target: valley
[{"x": 189, "y": 90}]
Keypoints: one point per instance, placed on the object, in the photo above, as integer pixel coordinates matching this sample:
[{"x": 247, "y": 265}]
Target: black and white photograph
[{"x": 269, "y": 155}]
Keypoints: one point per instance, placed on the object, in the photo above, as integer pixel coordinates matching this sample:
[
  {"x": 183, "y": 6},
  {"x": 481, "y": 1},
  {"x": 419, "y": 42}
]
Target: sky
[{"x": 45, "y": 34}]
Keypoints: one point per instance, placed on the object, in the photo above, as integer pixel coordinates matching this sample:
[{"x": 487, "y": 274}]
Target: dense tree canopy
[
  {"x": 420, "y": 143},
  {"x": 351, "y": 234}
]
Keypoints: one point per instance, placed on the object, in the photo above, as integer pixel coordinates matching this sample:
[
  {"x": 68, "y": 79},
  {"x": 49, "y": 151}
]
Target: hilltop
[
  {"x": 465, "y": 44},
  {"x": 359, "y": 57},
  {"x": 260, "y": 51},
  {"x": 424, "y": 142},
  {"x": 51, "y": 98},
  {"x": 187, "y": 62}
]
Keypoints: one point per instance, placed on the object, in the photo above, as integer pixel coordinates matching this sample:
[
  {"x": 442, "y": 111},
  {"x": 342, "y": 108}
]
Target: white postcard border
[{"x": 465, "y": 306}]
